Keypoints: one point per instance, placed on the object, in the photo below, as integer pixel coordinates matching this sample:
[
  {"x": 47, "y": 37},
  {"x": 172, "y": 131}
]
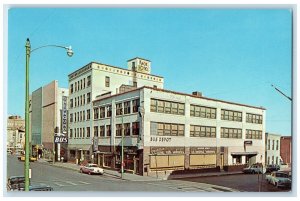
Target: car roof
[
  {"x": 36, "y": 187},
  {"x": 16, "y": 177}
]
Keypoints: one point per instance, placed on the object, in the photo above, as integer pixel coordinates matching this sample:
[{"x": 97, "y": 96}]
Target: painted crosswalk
[{"x": 190, "y": 186}]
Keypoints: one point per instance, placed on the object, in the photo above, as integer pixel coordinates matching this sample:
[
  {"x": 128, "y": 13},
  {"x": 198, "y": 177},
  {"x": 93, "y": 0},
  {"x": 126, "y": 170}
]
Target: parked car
[
  {"x": 40, "y": 188},
  {"x": 31, "y": 159},
  {"x": 272, "y": 168},
  {"x": 279, "y": 179},
  {"x": 254, "y": 169},
  {"x": 15, "y": 183},
  {"x": 91, "y": 168}
]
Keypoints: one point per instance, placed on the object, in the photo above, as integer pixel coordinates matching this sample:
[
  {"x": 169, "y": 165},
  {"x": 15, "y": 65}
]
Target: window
[
  {"x": 166, "y": 129},
  {"x": 135, "y": 128},
  {"x": 80, "y": 132},
  {"x": 254, "y": 118},
  {"x": 277, "y": 144},
  {"x": 273, "y": 144},
  {"x": 107, "y": 81},
  {"x": 96, "y": 131},
  {"x": 71, "y": 117},
  {"x": 71, "y": 133},
  {"x": 80, "y": 115},
  {"x": 102, "y": 131},
  {"x": 75, "y": 102},
  {"x": 102, "y": 112},
  {"x": 83, "y": 97},
  {"x": 84, "y": 83},
  {"x": 119, "y": 130},
  {"x": 81, "y": 102},
  {"x": 88, "y": 132},
  {"x": 153, "y": 106},
  {"x": 71, "y": 88},
  {"x": 108, "y": 130},
  {"x": 75, "y": 118},
  {"x": 134, "y": 83},
  {"x": 83, "y": 132},
  {"x": 135, "y": 105},
  {"x": 88, "y": 95},
  {"x": 160, "y": 106},
  {"x": 231, "y": 115},
  {"x": 202, "y": 131},
  {"x": 80, "y": 84},
  {"x": 203, "y": 112},
  {"x": 119, "y": 109},
  {"x": 108, "y": 112},
  {"x": 253, "y": 134},
  {"x": 127, "y": 107},
  {"x": 269, "y": 142},
  {"x": 96, "y": 113},
  {"x": 83, "y": 115},
  {"x": 88, "y": 81},
  {"x": 133, "y": 66},
  {"x": 127, "y": 129},
  {"x": 75, "y": 86},
  {"x": 88, "y": 115},
  {"x": 167, "y": 107},
  {"x": 231, "y": 133}
]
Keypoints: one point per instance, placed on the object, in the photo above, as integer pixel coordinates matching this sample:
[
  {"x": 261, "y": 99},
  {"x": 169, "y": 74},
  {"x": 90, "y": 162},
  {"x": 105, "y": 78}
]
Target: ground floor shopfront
[{"x": 150, "y": 160}]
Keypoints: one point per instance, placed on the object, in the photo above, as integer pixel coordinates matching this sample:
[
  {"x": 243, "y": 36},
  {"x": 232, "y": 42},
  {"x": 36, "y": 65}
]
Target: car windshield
[
  {"x": 93, "y": 165},
  {"x": 281, "y": 175}
]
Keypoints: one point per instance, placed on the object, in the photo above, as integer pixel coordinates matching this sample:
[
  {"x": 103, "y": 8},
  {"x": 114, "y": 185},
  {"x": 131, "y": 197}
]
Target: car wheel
[
  {"x": 89, "y": 173},
  {"x": 253, "y": 172}
]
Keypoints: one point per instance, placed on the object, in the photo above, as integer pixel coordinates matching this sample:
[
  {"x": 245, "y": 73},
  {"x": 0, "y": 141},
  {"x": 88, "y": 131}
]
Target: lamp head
[{"x": 69, "y": 51}]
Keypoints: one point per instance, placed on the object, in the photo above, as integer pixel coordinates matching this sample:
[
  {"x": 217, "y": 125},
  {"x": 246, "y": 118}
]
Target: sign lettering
[
  {"x": 60, "y": 139},
  {"x": 64, "y": 115},
  {"x": 160, "y": 139}
]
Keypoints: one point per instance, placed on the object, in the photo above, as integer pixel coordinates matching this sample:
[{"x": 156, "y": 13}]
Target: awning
[
  {"x": 244, "y": 153},
  {"x": 79, "y": 146}
]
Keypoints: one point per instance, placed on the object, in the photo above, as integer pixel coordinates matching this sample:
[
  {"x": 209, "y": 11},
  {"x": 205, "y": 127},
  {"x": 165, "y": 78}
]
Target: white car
[
  {"x": 91, "y": 168},
  {"x": 279, "y": 179}
]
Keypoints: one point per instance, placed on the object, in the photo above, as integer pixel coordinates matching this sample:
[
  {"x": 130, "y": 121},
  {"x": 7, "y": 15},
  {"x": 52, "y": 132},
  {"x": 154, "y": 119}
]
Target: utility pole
[{"x": 281, "y": 92}]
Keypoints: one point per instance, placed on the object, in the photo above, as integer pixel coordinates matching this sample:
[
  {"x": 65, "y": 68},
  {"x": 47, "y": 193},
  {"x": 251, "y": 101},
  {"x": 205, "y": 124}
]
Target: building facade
[
  {"x": 286, "y": 150},
  {"x": 166, "y": 130},
  {"x": 15, "y": 133},
  {"x": 273, "y": 149},
  {"x": 94, "y": 80},
  {"x": 46, "y": 105}
]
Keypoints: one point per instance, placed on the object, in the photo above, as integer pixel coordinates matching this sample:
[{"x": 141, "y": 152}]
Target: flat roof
[{"x": 179, "y": 93}]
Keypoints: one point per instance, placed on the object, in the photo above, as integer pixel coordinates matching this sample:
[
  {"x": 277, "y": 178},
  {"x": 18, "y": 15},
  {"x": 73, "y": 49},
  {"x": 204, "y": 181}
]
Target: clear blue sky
[{"x": 230, "y": 54}]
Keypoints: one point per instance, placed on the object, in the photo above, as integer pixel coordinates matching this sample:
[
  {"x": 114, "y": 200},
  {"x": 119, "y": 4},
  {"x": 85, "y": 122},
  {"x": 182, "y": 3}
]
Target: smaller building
[
  {"x": 286, "y": 149},
  {"x": 15, "y": 133},
  {"x": 272, "y": 149}
]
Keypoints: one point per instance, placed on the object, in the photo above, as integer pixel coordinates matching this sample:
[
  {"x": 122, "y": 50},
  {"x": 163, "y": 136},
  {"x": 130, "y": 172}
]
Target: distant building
[
  {"x": 273, "y": 149},
  {"x": 15, "y": 133},
  {"x": 286, "y": 149},
  {"x": 46, "y": 118}
]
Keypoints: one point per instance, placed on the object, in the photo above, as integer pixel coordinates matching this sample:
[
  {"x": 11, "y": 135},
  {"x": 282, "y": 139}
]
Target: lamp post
[
  {"x": 122, "y": 151},
  {"x": 28, "y": 52}
]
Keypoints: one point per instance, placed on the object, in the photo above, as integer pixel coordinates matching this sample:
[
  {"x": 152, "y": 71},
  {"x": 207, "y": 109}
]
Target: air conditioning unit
[{"x": 197, "y": 93}]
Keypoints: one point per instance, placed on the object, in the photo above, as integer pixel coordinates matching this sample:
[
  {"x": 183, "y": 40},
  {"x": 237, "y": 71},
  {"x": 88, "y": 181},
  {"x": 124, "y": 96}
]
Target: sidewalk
[{"x": 134, "y": 177}]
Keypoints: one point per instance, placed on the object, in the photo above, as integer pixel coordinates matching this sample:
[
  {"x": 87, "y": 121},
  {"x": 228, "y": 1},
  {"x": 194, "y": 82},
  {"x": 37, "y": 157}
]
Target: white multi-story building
[
  {"x": 272, "y": 149},
  {"x": 93, "y": 80},
  {"x": 163, "y": 130}
]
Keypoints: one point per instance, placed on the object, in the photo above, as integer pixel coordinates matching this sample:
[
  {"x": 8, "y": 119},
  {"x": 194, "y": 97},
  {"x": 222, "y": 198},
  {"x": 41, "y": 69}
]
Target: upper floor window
[
  {"x": 277, "y": 144},
  {"x": 107, "y": 81},
  {"x": 118, "y": 129},
  {"x": 231, "y": 133},
  {"x": 127, "y": 129},
  {"x": 167, "y": 107},
  {"x": 80, "y": 84},
  {"x": 88, "y": 132},
  {"x": 231, "y": 115},
  {"x": 273, "y": 144},
  {"x": 254, "y": 118},
  {"x": 71, "y": 133},
  {"x": 127, "y": 107},
  {"x": 119, "y": 109},
  {"x": 96, "y": 113},
  {"x": 71, "y": 117},
  {"x": 88, "y": 115},
  {"x": 88, "y": 81},
  {"x": 96, "y": 131},
  {"x": 202, "y": 131},
  {"x": 269, "y": 144},
  {"x": 88, "y": 97},
  {"x": 102, "y": 131},
  {"x": 135, "y": 105},
  {"x": 102, "y": 112},
  {"x": 204, "y": 112},
  {"x": 253, "y": 134},
  {"x": 108, "y": 130},
  {"x": 75, "y": 86},
  {"x": 83, "y": 97},
  {"x": 108, "y": 112},
  {"x": 71, "y": 103},
  {"x": 135, "y": 128},
  {"x": 167, "y": 129},
  {"x": 71, "y": 88}
]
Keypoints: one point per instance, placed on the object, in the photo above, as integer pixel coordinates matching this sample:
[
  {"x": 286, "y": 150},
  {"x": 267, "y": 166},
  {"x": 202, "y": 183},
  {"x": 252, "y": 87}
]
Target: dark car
[
  {"x": 272, "y": 168},
  {"x": 15, "y": 183},
  {"x": 40, "y": 188}
]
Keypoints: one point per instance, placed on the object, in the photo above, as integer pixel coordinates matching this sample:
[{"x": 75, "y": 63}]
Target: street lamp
[{"x": 28, "y": 52}]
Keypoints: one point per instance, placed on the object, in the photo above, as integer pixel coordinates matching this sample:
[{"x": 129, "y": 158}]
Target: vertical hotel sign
[{"x": 64, "y": 115}]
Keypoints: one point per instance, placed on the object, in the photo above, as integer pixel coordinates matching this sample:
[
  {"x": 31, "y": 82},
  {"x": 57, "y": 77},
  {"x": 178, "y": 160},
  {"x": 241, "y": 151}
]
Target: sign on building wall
[
  {"x": 167, "y": 150},
  {"x": 203, "y": 150},
  {"x": 95, "y": 144},
  {"x": 60, "y": 139},
  {"x": 64, "y": 115}
]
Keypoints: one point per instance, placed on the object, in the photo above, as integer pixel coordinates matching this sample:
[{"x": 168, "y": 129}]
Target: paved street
[
  {"x": 69, "y": 180},
  {"x": 241, "y": 182}
]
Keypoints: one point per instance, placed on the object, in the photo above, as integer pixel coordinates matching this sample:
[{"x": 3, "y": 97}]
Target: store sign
[
  {"x": 60, "y": 139},
  {"x": 167, "y": 150},
  {"x": 64, "y": 115},
  {"x": 160, "y": 139},
  {"x": 143, "y": 66},
  {"x": 203, "y": 150}
]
